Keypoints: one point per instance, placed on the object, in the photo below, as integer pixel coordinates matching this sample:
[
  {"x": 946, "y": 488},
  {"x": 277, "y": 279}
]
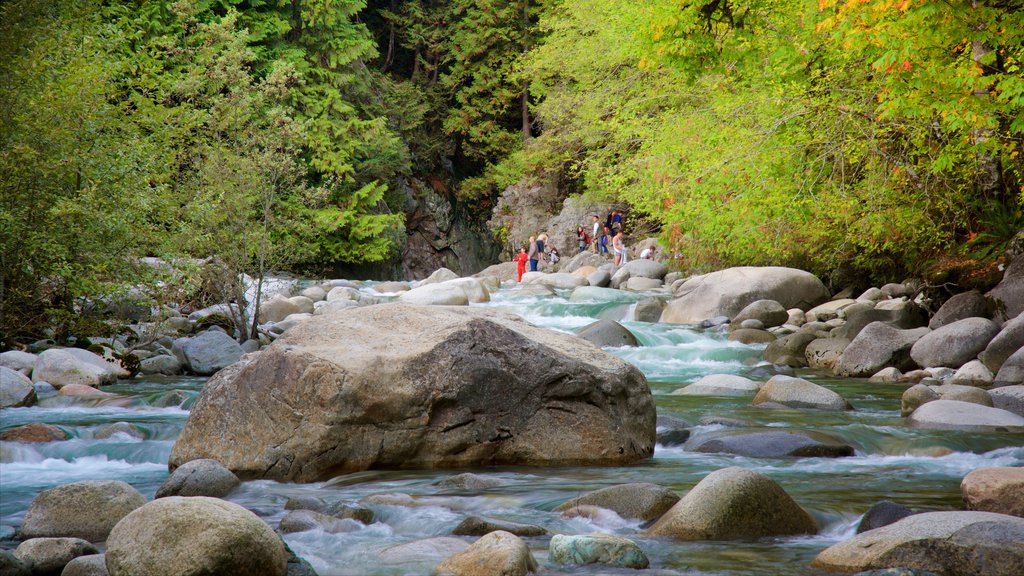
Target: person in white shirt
[
  {"x": 594, "y": 236},
  {"x": 647, "y": 253}
]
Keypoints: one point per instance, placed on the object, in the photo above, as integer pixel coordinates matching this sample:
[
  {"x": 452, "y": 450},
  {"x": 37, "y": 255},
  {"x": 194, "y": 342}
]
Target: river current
[{"x": 918, "y": 468}]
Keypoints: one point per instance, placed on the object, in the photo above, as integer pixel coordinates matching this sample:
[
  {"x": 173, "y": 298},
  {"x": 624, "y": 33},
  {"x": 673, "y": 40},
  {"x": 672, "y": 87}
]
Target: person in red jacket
[{"x": 521, "y": 259}]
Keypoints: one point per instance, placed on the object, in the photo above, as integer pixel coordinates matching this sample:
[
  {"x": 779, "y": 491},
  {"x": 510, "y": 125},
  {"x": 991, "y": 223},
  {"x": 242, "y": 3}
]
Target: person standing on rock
[
  {"x": 594, "y": 235},
  {"x": 542, "y": 240},
  {"x": 619, "y": 248},
  {"x": 606, "y": 234},
  {"x": 581, "y": 238},
  {"x": 520, "y": 261},
  {"x": 532, "y": 254}
]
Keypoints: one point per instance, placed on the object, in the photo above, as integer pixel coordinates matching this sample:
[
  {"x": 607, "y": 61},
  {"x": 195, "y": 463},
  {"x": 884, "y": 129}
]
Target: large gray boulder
[
  {"x": 878, "y": 346},
  {"x": 60, "y": 367},
  {"x": 438, "y": 276},
  {"x": 999, "y": 489},
  {"x": 798, "y": 393},
  {"x": 18, "y": 361},
  {"x": 974, "y": 373},
  {"x": 89, "y": 565},
  {"x": 1011, "y": 373},
  {"x": 734, "y": 503},
  {"x": 720, "y": 385},
  {"x": 645, "y": 269},
  {"x": 773, "y": 444},
  {"x": 1009, "y": 340},
  {"x": 187, "y": 536},
  {"x": 202, "y": 477},
  {"x": 824, "y": 353},
  {"x": 46, "y": 556},
  {"x": 641, "y": 500},
  {"x": 1009, "y": 398},
  {"x": 366, "y": 389},
  {"x": 166, "y": 364},
  {"x": 903, "y": 315},
  {"x": 436, "y": 295},
  {"x": 1008, "y": 295},
  {"x": 607, "y": 333},
  {"x": 769, "y": 312},
  {"x": 969, "y": 304},
  {"x": 558, "y": 280},
  {"x": 210, "y": 352},
  {"x": 954, "y": 344},
  {"x": 958, "y": 415},
  {"x": 88, "y": 509},
  {"x": 499, "y": 553},
  {"x": 789, "y": 350},
  {"x": 649, "y": 310},
  {"x": 949, "y": 543},
  {"x": 16, "y": 389},
  {"x": 727, "y": 292}
]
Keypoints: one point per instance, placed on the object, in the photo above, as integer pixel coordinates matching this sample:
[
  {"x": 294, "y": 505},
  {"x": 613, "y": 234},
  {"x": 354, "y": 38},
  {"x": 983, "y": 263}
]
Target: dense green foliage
[{"x": 881, "y": 137}]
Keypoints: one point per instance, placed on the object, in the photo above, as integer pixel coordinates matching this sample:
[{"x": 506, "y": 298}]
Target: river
[{"x": 918, "y": 468}]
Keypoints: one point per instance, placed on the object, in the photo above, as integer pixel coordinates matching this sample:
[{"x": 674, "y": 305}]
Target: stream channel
[{"x": 918, "y": 468}]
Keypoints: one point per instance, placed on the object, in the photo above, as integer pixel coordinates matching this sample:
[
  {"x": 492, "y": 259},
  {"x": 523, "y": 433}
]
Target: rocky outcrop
[
  {"x": 994, "y": 490},
  {"x": 367, "y": 389},
  {"x": 641, "y": 500},
  {"x": 949, "y": 543},
  {"x": 88, "y": 509},
  {"x": 175, "y": 536},
  {"x": 734, "y": 503},
  {"x": 727, "y": 292},
  {"x": 954, "y": 344}
]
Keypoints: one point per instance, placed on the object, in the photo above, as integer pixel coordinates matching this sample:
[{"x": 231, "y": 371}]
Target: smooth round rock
[
  {"x": 915, "y": 397},
  {"x": 203, "y": 477},
  {"x": 607, "y": 333},
  {"x": 1009, "y": 398},
  {"x": 51, "y": 555},
  {"x": 798, "y": 393},
  {"x": 956, "y": 415},
  {"x": 882, "y": 514},
  {"x": 769, "y": 312},
  {"x": 603, "y": 549},
  {"x": 481, "y": 525},
  {"x": 954, "y": 344},
  {"x": 720, "y": 385},
  {"x": 16, "y": 389},
  {"x": 34, "y": 432},
  {"x": 178, "y": 536},
  {"x": 994, "y": 490},
  {"x": 470, "y": 481},
  {"x": 303, "y": 520},
  {"x": 641, "y": 500},
  {"x": 88, "y": 510},
  {"x": 496, "y": 553},
  {"x": 774, "y": 444},
  {"x": 91, "y": 565}
]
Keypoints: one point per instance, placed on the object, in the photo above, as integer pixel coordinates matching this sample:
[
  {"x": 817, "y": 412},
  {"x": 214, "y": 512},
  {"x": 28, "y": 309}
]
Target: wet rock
[
  {"x": 345, "y": 510},
  {"x": 558, "y": 281},
  {"x": 210, "y": 351},
  {"x": 599, "y": 278},
  {"x": 495, "y": 553},
  {"x": 607, "y": 333},
  {"x": 166, "y": 364},
  {"x": 388, "y": 499},
  {"x": 720, "y": 385},
  {"x": 10, "y": 565},
  {"x": 635, "y": 500},
  {"x": 974, "y": 373},
  {"x": 592, "y": 513},
  {"x": 60, "y": 367},
  {"x": 882, "y": 514},
  {"x": 35, "y": 432},
  {"x": 965, "y": 305},
  {"x": 649, "y": 309},
  {"x": 381, "y": 362},
  {"x": 1011, "y": 373},
  {"x": 898, "y": 315},
  {"x": 994, "y": 490},
  {"x": 725, "y": 421},
  {"x": 436, "y": 295},
  {"x": 174, "y": 536},
  {"x": 672, "y": 437},
  {"x": 126, "y": 428},
  {"x": 202, "y": 477},
  {"x": 1008, "y": 295},
  {"x": 798, "y": 393},
  {"x": 15, "y": 389},
  {"x": 470, "y": 481},
  {"x": 751, "y": 336},
  {"x": 775, "y": 444},
  {"x": 395, "y": 287},
  {"x": 1009, "y": 340},
  {"x": 83, "y": 391},
  {"x": 91, "y": 565},
  {"x": 88, "y": 509},
  {"x": 734, "y": 503},
  {"x": 915, "y": 397},
  {"x": 1010, "y": 398},
  {"x": 426, "y": 550},
  {"x": 769, "y": 312},
  {"x": 48, "y": 556},
  {"x": 886, "y": 376},
  {"x": 303, "y": 520},
  {"x": 789, "y": 350},
  {"x": 964, "y": 394},
  {"x": 954, "y": 344},
  {"x": 877, "y": 346},
  {"x": 304, "y": 502},
  {"x": 727, "y": 292},
  {"x": 824, "y": 353},
  {"x": 951, "y": 543},
  {"x": 956, "y": 415},
  {"x": 479, "y": 526},
  {"x": 603, "y": 549},
  {"x": 715, "y": 322}
]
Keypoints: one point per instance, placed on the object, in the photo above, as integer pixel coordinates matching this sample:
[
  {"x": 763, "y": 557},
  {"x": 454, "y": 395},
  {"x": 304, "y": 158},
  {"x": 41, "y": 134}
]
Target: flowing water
[{"x": 919, "y": 468}]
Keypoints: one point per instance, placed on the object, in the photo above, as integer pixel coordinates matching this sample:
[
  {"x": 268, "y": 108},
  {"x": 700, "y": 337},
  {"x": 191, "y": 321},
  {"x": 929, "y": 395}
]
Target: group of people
[{"x": 538, "y": 248}]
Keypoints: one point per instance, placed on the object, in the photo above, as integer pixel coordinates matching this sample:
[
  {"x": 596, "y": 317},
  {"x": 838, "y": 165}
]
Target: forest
[{"x": 877, "y": 139}]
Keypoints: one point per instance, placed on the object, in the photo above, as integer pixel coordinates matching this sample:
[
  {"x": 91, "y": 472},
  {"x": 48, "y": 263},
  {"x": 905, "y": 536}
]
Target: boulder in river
[
  {"x": 607, "y": 333},
  {"x": 419, "y": 387},
  {"x": 278, "y": 308},
  {"x": 45, "y": 556},
  {"x": 727, "y": 292},
  {"x": 436, "y": 295},
  {"x": 559, "y": 280},
  {"x": 882, "y": 514},
  {"x": 799, "y": 394},
  {"x": 303, "y": 520},
  {"x": 973, "y": 373},
  {"x": 177, "y": 536},
  {"x": 957, "y": 415},
  {"x": 88, "y": 509},
  {"x": 720, "y": 385},
  {"x": 606, "y": 549},
  {"x": 210, "y": 351},
  {"x": 824, "y": 353},
  {"x": 774, "y": 444},
  {"x": 734, "y": 503},
  {"x": 790, "y": 350},
  {"x": 649, "y": 309},
  {"x": 60, "y": 367},
  {"x": 994, "y": 490},
  {"x": 641, "y": 500},
  {"x": 479, "y": 526},
  {"x": 878, "y": 346},
  {"x": 954, "y": 344},
  {"x": 949, "y": 543},
  {"x": 915, "y": 397},
  {"x": 34, "y": 432},
  {"x": 598, "y": 294},
  {"x": 18, "y": 361},
  {"x": 88, "y": 565},
  {"x": 16, "y": 389},
  {"x": 769, "y": 312},
  {"x": 470, "y": 481},
  {"x": 494, "y": 553},
  {"x": 203, "y": 477},
  {"x": 901, "y": 315}
]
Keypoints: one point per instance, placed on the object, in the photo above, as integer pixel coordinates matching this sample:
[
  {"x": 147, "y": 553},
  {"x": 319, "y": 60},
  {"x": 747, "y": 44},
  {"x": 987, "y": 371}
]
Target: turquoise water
[{"x": 919, "y": 468}]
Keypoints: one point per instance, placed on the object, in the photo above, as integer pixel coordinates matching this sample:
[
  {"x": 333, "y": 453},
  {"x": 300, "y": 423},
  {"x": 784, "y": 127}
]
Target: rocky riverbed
[{"x": 784, "y": 414}]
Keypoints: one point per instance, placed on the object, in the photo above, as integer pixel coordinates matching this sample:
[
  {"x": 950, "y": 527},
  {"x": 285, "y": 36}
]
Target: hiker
[
  {"x": 520, "y": 261},
  {"x": 647, "y": 253},
  {"x": 594, "y": 247},
  {"x": 606, "y": 235},
  {"x": 554, "y": 255},
  {"x": 532, "y": 254},
  {"x": 582, "y": 238},
  {"x": 619, "y": 248},
  {"x": 542, "y": 239}
]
